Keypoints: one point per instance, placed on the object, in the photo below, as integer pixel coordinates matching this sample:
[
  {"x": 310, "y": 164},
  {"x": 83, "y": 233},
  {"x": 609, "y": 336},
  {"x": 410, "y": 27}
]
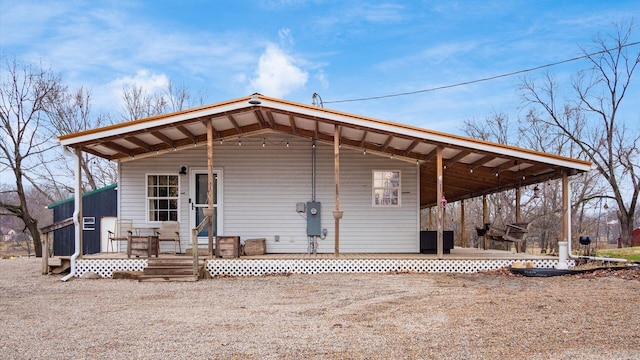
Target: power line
[{"x": 479, "y": 80}]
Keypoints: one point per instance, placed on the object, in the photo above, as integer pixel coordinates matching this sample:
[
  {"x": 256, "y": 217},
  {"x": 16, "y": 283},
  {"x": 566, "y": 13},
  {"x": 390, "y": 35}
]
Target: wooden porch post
[
  {"x": 566, "y": 222},
  {"x": 485, "y": 219},
  {"x": 518, "y": 210},
  {"x": 337, "y": 214},
  {"x": 430, "y": 219},
  {"x": 440, "y": 210},
  {"x": 462, "y": 231},
  {"x": 210, "y": 187}
]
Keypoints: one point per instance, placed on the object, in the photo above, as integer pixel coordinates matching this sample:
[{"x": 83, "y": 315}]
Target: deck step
[
  {"x": 167, "y": 278},
  {"x": 170, "y": 270}
]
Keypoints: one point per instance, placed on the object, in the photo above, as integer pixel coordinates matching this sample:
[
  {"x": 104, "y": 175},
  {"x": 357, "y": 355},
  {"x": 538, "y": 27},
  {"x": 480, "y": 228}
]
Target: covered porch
[{"x": 439, "y": 168}]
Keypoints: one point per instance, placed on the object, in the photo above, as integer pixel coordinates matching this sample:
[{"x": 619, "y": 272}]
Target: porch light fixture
[
  {"x": 471, "y": 170},
  {"x": 443, "y": 202},
  {"x": 536, "y": 192},
  {"x": 183, "y": 170},
  {"x": 239, "y": 142},
  {"x": 364, "y": 152},
  {"x": 391, "y": 157},
  {"x": 264, "y": 142},
  {"x": 287, "y": 143},
  {"x": 255, "y": 101}
]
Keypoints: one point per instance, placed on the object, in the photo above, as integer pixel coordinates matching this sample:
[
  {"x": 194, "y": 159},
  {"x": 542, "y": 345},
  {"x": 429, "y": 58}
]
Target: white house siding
[{"x": 263, "y": 184}]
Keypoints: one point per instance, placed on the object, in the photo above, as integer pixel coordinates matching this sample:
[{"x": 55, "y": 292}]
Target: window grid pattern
[
  {"x": 162, "y": 197},
  {"x": 386, "y": 188}
]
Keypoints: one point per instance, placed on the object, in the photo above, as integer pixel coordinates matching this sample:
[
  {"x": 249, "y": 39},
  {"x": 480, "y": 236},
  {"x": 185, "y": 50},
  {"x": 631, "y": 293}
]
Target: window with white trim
[
  {"x": 386, "y": 188},
  {"x": 162, "y": 197}
]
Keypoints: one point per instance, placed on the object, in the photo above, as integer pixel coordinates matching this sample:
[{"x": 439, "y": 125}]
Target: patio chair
[
  {"x": 170, "y": 231},
  {"x": 122, "y": 232}
]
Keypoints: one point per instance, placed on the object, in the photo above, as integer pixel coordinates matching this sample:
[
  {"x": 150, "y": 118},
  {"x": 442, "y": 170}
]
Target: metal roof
[{"x": 472, "y": 167}]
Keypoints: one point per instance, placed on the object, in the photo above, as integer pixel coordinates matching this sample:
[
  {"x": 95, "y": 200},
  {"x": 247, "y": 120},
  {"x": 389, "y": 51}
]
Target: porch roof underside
[{"x": 472, "y": 167}]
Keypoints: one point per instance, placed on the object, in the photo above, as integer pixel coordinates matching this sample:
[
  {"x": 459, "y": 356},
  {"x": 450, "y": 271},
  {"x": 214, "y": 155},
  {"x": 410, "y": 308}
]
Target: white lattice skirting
[{"x": 243, "y": 267}]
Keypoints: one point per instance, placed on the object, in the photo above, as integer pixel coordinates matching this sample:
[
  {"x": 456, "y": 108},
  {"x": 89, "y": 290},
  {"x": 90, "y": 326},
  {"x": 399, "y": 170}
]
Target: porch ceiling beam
[
  {"x": 483, "y": 160},
  {"x": 432, "y": 154},
  {"x": 364, "y": 138},
  {"x": 272, "y": 121},
  {"x": 292, "y": 121},
  {"x": 234, "y": 123},
  {"x": 457, "y": 158},
  {"x": 410, "y": 148},
  {"x": 119, "y": 148},
  {"x": 134, "y": 140},
  {"x": 384, "y": 146},
  {"x": 261, "y": 120},
  {"x": 187, "y": 133},
  {"x": 164, "y": 138}
]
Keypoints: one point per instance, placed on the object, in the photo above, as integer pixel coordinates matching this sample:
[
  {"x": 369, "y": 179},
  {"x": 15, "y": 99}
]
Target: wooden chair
[
  {"x": 170, "y": 231},
  {"x": 122, "y": 232}
]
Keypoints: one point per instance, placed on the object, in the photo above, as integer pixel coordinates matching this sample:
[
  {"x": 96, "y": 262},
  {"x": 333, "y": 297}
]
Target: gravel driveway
[{"x": 329, "y": 316}]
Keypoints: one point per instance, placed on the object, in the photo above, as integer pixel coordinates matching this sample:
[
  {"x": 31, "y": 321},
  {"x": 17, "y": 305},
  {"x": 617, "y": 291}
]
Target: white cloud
[
  {"x": 277, "y": 75},
  {"x": 150, "y": 82}
]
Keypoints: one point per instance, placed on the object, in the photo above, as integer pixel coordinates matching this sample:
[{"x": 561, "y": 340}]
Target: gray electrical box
[{"x": 314, "y": 227}]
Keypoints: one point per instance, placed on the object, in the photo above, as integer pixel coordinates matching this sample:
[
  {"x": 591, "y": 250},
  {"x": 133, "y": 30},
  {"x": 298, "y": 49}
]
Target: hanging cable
[{"x": 479, "y": 80}]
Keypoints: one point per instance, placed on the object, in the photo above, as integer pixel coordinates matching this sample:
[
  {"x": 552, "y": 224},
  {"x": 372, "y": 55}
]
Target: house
[
  {"x": 305, "y": 178},
  {"x": 99, "y": 211}
]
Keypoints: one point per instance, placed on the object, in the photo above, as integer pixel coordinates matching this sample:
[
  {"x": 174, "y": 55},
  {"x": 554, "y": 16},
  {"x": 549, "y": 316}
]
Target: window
[
  {"x": 162, "y": 197},
  {"x": 88, "y": 223},
  {"x": 386, "y": 188}
]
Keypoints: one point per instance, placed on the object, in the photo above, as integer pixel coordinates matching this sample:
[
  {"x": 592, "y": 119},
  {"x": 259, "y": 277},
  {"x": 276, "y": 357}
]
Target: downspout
[
  {"x": 568, "y": 241},
  {"x": 76, "y": 212}
]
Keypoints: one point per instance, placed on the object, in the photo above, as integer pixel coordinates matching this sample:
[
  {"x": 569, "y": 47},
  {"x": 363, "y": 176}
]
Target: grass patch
[{"x": 631, "y": 253}]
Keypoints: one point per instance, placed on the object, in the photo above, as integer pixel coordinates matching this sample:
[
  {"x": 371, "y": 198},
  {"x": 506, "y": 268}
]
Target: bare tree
[
  {"x": 24, "y": 93},
  {"x": 591, "y": 120},
  {"x": 68, "y": 114}
]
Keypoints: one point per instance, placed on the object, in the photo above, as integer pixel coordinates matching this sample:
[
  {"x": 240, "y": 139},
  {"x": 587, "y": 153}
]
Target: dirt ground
[{"x": 330, "y": 316}]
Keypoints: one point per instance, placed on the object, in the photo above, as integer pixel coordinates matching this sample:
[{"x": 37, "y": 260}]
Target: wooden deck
[{"x": 457, "y": 253}]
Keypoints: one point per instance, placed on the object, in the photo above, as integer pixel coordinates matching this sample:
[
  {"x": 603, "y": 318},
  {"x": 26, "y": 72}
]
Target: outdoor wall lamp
[
  {"x": 183, "y": 170},
  {"x": 443, "y": 202}
]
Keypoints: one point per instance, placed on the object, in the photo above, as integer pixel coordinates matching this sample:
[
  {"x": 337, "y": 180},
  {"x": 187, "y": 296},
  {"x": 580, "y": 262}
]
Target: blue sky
[{"x": 339, "y": 49}]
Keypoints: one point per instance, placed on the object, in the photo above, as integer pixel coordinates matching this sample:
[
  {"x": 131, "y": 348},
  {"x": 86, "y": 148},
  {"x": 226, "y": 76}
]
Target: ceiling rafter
[
  {"x": 134, "y": 140},
  {"x": 292, "y": 121},
  {"x": 119, "y": 148},
  {"x": 384, "y": 146},
  {"x": 272, "y": 121},
  {"x": 234, "y": 123},
  {"x": 410, "y": 148},
  {"x": 187, "y": 133},
  {"x": 457, "y": 157},
  {"x": 164, "y": 138},
  {"x": 258, "y": 114}
]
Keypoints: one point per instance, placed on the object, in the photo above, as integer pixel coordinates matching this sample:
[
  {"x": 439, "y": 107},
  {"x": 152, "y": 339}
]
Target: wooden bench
[{"x": 514, "y": 233}]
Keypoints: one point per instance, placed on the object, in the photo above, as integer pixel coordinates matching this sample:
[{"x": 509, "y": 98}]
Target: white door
[
  {"x": 107, "y": 223},
  {"x": 198, "y": 199}
]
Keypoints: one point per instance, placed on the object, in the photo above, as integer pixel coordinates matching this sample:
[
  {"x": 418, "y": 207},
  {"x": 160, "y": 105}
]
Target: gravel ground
[{"x": 332, "y": 316}]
